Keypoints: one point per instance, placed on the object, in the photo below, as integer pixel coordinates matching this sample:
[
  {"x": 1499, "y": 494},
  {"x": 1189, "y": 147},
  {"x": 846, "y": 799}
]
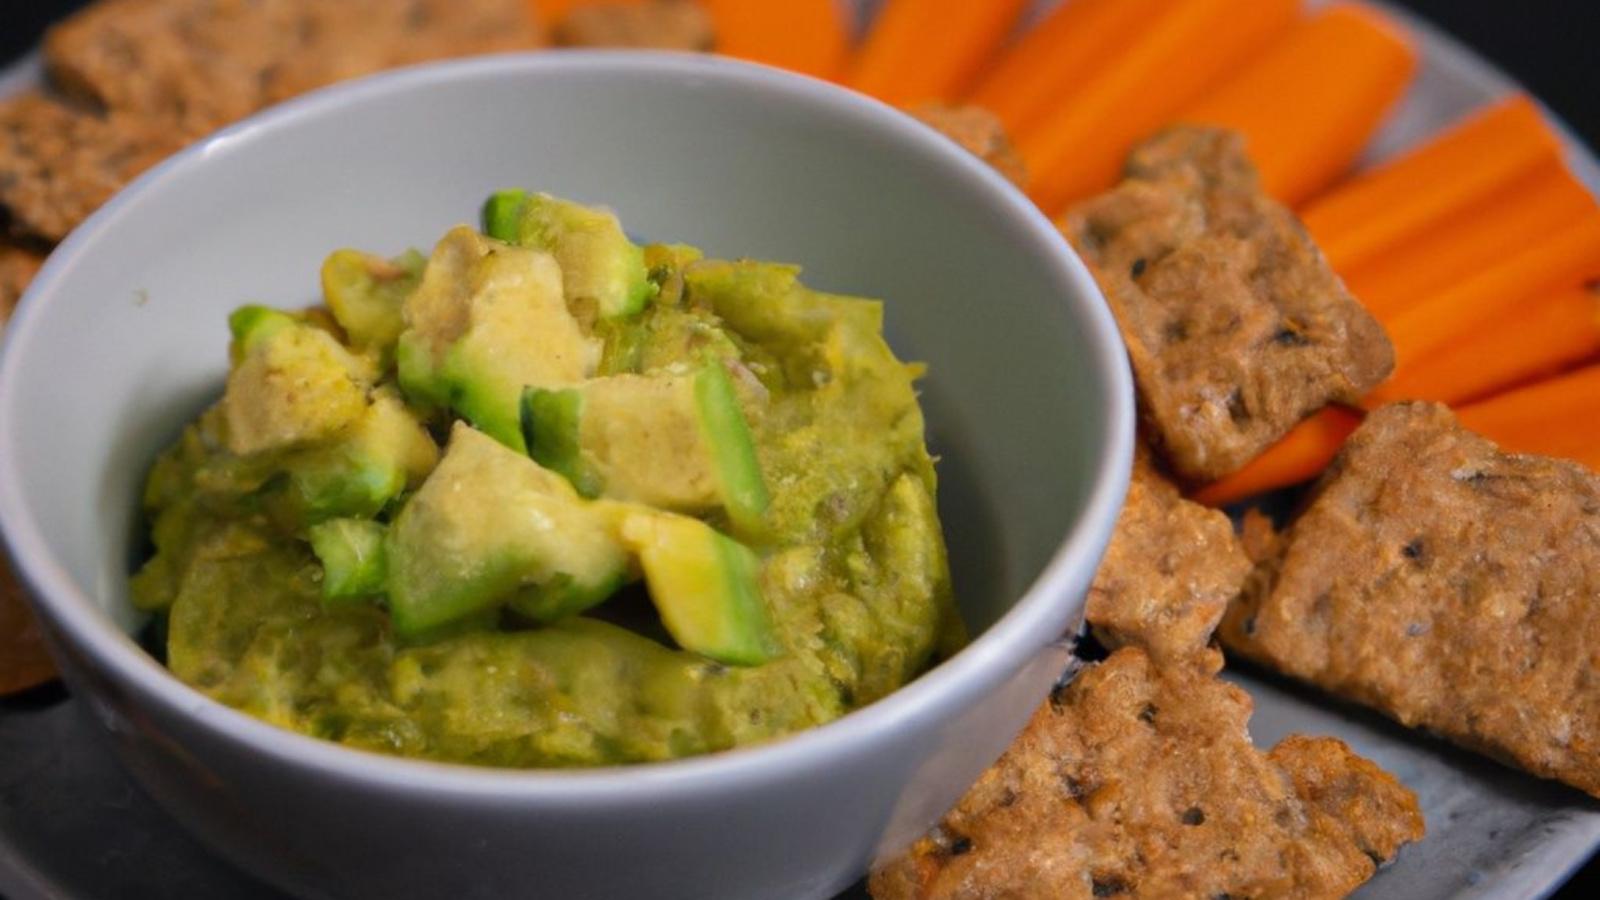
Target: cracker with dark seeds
[
  {"x": 195, "y": 65},
  {"x": 23, "y": 661},
  {"x": 980, "y": 133},
  {"x": 1169, "y": 572},
  {"x": 1140, "y": 781},
  {"x": 59, "y": 163},
  {"x": 653, "y": 25},
  {"x": 1236, "y": 327},
  {"x": 18, "y": 265},
  {"x": 1449, "y": 585}
]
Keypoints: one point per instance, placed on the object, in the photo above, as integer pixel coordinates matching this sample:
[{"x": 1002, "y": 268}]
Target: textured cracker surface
[
  {"x": 1236, "y": 327},
  {"x": 1139, "y": 781},
  {"x": 18, "y": 265},
  {"x": 142, "y": 78},
  {"x": 58, "y": 163},
  {"x": 653, "y": 25},
  {"x": 980, "y": 133},
  {"x": 1170, "y": 571},
  {"x": 1449, "y": 585}
]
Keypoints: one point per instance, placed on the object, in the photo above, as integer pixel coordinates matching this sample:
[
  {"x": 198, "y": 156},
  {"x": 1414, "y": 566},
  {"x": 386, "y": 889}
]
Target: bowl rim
[{"x": 990, "y": 658}]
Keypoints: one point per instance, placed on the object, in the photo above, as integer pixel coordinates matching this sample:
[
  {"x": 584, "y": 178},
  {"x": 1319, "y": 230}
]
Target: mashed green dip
[{"x": 549, "y": 498}]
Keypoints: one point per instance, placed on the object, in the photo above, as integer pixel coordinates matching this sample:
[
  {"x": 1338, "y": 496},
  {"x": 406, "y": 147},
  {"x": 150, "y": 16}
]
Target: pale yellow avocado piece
[
  {"x": 705, "y": 585},
  {"x": 491, "y": 526},
  {"x": 643, "y": 437},
  {"x": 487, "y": 321},
  {"x": 293, "y": 385}
]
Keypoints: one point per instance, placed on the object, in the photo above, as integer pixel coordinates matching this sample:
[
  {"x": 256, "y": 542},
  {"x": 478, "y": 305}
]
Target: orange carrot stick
[
  {"x": 930, "y": 50},
  {"x": 1568, "y": 257},
  {"x": 1525, "y": 211},
  {"x": 1057, "y": 57},
  {"x": 1308, "y": 106},
  {"x": 1555, "y": 417},
  {"x": 1549, "y": 335},
  {"x": 1174, "y": 58},
  {"x": 1411, "y": 194},
  {"x": 807, "y": 36},
  {"x": 1298, "y": 456}
]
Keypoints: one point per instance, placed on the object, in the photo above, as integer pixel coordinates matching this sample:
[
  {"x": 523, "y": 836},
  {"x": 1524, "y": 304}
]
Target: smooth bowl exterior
[{"x": 122, "y": 337}]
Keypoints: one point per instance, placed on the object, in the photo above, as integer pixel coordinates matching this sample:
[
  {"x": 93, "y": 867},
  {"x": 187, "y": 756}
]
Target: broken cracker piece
[
  {"x": 1140, "y": 781},
  {"x": 1236, "y": 327},
  {"x": 653, "y": 25},
  {"x": 192, "y": 66},
  {"x": 1448, "y": 585},
  {"x": 1169, "y": 572},
  {"x": 59, "y": 163},
  {"x": 24, "y": 663},
  {"x": 18, "y": 265},
  {"x": 980, "y": 133}
]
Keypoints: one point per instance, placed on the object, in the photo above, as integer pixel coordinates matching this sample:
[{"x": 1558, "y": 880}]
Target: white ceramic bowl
[{"x": 121, "y": 339}]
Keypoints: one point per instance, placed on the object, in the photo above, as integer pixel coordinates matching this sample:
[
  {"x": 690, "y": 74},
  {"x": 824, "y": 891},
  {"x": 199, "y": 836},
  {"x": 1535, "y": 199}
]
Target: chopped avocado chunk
[
  {"x": 502, "y": 214},
  {"x": 675, "y": 442},
  {"x": 351, "y": 552},
  {"x": 744, "y": 493},
  {"x": 705, "y": 585},
  {"x": 292, "y": 384},
  {"x": 550, "y": 428},
  {"x": 385, "y": 452},
  {"x": 365, "y": 293},
  {"x": 487, "y": 321},
  {"x": 601, "y": 269},
  {"x": 490, "y": 526}
]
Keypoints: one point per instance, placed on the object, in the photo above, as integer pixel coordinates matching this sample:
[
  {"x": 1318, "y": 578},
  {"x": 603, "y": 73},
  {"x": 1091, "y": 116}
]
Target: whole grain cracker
[
  {"x": 1169, "y": 572},
  {"x": 1449, "y": 585},
  {"x": 1236, "y": 327},
  {"x": 980, "y": 133},
  {"x": 1140, "y": 781},
  {"x": 654, "y": 25}
]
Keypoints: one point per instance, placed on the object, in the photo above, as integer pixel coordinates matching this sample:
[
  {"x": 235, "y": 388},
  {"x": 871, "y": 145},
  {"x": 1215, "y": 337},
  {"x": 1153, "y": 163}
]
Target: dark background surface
[{"x": 1550, "y": 46}]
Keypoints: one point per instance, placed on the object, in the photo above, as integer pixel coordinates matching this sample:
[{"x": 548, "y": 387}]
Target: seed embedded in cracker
[
  {"x": 1139, "y": 780},
  {"x": 1236, "y": 327},
  {"x": 1447, "y": 584}
]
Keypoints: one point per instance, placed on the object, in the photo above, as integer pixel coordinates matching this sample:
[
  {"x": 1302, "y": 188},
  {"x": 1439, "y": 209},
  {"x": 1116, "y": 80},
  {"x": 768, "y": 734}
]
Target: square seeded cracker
[
  {"x": 1236, "y": 327},
  {"x": 1448, "y": 585},
  {"x": 195, "y": 65},
  {"x": 1171, "y": 569},
  {"x": 1136, "y": 780}
]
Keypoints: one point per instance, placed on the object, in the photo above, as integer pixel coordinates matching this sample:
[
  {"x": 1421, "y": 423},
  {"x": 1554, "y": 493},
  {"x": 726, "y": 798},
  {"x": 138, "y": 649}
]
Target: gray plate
[{"x": 73, "y": 825}]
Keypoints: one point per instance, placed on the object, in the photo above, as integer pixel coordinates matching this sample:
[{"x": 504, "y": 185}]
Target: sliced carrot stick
[
  {"x": 1309, "y": 105},
  {"x": 1527, "y": 210},
  {"x": 1055, "y": 58},
  {"x": 1568, "y": 257},
  {"x": 1298, "y": 456},
  {"x": 1549, "y": 335},
  {"x": 930, "y": 50},
  {"x": 1556, "y": 417},
  {"x": 1078, "y": 148},
  {"x": 1413, "y": 193},
  {"x": 807, "y": 36}
]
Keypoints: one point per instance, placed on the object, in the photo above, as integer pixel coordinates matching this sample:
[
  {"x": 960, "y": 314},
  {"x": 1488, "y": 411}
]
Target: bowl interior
[{"x": 123, "y": 338}]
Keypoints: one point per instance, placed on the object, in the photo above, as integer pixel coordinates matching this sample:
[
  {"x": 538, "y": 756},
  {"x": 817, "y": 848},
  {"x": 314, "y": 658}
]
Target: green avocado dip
[{"x": 548, "y": 498}]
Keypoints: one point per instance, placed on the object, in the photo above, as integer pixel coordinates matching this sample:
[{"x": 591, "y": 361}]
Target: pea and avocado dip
[{"x": 549, "y": 498}]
